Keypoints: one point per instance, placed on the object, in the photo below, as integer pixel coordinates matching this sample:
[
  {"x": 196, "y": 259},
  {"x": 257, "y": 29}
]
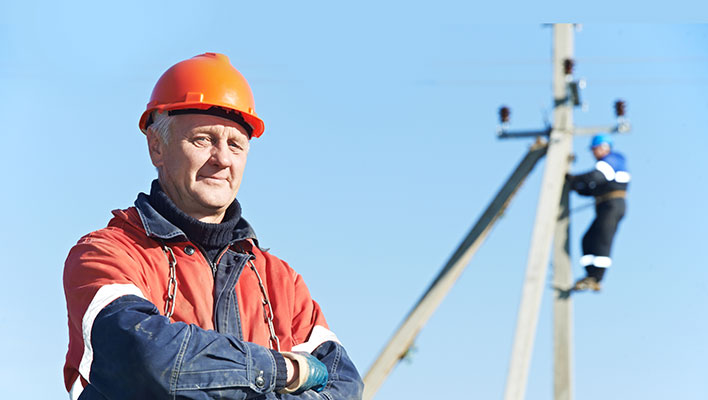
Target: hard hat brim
[{"x": 256, "y": 123}]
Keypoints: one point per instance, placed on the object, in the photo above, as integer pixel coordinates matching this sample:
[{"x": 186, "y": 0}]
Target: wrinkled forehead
[{"x": 193, "y": 123}]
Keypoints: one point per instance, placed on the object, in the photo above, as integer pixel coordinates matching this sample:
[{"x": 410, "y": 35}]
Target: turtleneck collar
[{"x": 211, "y": 237}]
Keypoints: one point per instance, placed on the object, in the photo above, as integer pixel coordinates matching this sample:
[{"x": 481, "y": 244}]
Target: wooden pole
[
  {"x": 559, "y": 150},
  {"x": 402, "y": 340}
]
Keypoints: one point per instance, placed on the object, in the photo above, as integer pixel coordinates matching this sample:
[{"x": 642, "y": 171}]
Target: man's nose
[{"x": 221, "y": 154}]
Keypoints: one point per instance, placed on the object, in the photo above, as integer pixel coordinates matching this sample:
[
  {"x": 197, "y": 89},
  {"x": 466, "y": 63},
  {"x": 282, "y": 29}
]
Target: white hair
[{"x": 162, "y": 125}]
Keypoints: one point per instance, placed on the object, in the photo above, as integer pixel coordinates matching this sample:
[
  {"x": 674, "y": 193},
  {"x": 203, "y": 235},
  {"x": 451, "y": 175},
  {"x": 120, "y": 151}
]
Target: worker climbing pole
[{"x": 607, "y": 182}]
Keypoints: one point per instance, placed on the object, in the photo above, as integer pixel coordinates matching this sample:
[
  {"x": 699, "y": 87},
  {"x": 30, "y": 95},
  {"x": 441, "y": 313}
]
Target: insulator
[
  {"x": 504, "y": 114},
  {"x": 568, "y": 66},
  {"x": 619, "y": 108}
]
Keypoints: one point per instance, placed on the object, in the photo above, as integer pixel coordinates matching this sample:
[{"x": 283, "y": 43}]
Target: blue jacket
[{"x": 610, "y": 174}]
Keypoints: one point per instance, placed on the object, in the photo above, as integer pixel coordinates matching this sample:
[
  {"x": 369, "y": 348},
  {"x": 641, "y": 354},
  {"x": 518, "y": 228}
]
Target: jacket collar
[{"x": 157, "y": 226}]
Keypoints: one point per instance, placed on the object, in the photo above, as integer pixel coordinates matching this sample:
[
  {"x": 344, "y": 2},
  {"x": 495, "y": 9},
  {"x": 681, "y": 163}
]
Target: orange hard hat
[{"x": 205, "y": 84}]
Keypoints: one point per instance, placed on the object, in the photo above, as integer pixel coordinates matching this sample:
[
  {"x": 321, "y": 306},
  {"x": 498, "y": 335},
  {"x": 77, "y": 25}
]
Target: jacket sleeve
[
  {"x": 139, "y": 354},
  {"x": 313, "y": 335},
  {"x": 587, "y": 184},
  {"x": 130, "y": 351},
  {"x": 344, "y": 380}
]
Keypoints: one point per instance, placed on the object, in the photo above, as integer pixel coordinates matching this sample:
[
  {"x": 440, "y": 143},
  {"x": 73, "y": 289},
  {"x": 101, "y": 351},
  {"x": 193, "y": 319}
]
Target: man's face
[
  {"x": 201, "y": 166},
  {"x": 600, "y": 151}
]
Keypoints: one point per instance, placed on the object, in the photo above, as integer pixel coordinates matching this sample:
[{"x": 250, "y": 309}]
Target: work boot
[{"x": 587, "y": 283}]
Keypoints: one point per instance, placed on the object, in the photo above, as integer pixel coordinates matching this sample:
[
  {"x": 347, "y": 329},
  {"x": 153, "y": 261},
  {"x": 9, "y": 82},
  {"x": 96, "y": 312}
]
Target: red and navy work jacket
[{"x": 216, "y": 343}]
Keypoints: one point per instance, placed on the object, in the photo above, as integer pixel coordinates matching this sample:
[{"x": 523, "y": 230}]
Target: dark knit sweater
[{"x": 211, "y": 238}]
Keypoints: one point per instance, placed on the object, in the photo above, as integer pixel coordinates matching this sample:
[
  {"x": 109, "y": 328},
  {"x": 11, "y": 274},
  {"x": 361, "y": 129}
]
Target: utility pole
[{"x": 558, "y": 158}]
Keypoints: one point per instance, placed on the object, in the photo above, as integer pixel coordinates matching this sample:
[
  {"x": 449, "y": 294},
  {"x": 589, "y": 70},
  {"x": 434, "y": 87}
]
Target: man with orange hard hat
[{"x": 176, "y": 298}]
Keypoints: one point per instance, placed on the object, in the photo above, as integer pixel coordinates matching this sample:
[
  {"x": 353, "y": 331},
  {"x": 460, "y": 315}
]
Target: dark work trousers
[{"x": 598, "y": 239}]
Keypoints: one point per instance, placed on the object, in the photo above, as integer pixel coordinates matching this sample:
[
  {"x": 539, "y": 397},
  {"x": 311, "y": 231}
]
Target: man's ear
[{"x": 156, "y": 147}]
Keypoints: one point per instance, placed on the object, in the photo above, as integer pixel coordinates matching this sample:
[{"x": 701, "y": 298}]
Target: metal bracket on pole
[
  {"x": 504, "y": 134},
  {"x": 621, "y": 127}
]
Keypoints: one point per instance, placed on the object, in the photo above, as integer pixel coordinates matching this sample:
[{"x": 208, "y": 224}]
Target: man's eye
[{"x": 201, "y": 140}]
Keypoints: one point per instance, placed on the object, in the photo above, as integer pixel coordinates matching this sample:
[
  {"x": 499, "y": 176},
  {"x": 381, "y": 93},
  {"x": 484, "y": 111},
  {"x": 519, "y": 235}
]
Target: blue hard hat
[{"x": 600, "y": 139}]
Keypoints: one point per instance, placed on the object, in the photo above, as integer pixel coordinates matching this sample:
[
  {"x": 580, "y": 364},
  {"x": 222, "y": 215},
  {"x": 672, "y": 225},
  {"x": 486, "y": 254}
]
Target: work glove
[{"x": 313, "y": 374}]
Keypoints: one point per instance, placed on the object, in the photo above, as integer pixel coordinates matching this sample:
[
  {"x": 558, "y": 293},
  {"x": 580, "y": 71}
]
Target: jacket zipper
[
  {"x": 211, "y": 264},
  {"x": 214, "y": 269}
]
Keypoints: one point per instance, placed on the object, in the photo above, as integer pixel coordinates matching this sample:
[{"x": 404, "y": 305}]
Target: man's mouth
[{"x": 215, "y": 179}]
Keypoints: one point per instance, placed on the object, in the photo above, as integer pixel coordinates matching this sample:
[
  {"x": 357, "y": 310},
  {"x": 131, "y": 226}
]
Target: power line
[
  {"x": 698, "y": 59},
  {"x": 652, "y": 81}
]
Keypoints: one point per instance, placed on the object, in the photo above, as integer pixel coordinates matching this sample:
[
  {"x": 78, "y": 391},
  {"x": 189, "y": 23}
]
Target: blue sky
[{"x": 379, "y": 154}]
